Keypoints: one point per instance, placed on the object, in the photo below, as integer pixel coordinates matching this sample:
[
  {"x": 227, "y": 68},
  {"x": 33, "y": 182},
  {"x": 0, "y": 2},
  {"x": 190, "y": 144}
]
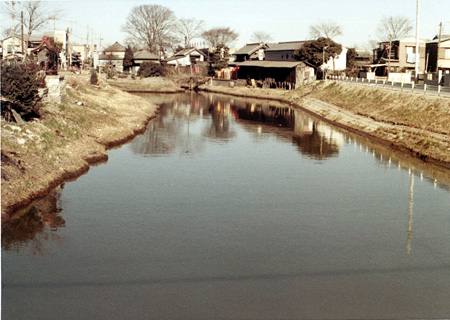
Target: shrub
[
  {"x": 151, "y": 69},
  {"x": 94, "y": 77},
  {"x": 19, "y": 89}
]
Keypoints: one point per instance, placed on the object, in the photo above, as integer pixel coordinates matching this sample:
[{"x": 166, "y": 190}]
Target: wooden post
[
  {"x": 425, "y": 88},
  {"x": 412, "y": 87}
]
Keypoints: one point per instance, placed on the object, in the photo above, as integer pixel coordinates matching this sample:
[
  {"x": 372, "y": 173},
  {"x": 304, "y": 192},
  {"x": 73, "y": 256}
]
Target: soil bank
[{"x": 68, "y": 138}]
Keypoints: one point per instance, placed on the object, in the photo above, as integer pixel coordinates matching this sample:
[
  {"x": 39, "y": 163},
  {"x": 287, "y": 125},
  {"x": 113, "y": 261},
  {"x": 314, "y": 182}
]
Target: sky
[{"x": 284, "y": 20}]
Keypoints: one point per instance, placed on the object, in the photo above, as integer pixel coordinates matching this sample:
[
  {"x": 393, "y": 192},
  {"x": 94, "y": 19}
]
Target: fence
[{"x": 399, "y": 86}]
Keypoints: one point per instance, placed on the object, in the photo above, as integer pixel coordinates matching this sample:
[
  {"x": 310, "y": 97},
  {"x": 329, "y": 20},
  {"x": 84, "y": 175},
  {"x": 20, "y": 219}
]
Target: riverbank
[
  {"x": 72, "y": 136},
  {"x": 412, "y": 123},
  {"x": 67, "y": 139}
]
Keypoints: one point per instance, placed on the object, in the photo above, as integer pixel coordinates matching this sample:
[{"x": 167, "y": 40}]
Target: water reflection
[
  {"x": 216, "y": 115},
  {"x": 188, "y": 122},
  {"x": 34, "y": 226}
]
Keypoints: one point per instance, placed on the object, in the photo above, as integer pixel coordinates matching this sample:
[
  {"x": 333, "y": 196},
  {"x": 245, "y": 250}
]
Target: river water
[{"x": 233, "y": 208}]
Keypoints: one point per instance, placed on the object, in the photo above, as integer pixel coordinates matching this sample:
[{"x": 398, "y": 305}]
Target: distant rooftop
[
  {"x": 116, "y": 47},
  {"x": 283, "y": 46}
]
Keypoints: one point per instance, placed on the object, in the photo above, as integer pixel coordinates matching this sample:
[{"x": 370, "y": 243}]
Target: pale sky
[{"x": 284, "y": 20}]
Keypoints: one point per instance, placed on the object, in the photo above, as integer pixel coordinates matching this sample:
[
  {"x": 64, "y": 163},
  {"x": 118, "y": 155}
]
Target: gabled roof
[
  {"x": 270, "y": 64},
  {"x": 116, "y": 47},
  {"x": 285, "y": 46},
  {"x": 437, "y": 40},
  {"x": 186, "y": 52},
  {"x": 145, "y": 55},
  {"x": 250, "y": 48}
]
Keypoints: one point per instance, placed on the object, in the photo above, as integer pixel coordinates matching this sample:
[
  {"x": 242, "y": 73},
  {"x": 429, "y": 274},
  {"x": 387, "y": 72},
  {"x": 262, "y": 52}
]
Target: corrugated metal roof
[
  {"x": 283, "y": 46},
  {"x": 269, "y": 64}
]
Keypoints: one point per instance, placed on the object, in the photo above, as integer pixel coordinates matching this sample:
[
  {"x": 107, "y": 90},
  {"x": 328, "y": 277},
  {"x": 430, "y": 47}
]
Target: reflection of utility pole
[{"x": 410, "y": 211}]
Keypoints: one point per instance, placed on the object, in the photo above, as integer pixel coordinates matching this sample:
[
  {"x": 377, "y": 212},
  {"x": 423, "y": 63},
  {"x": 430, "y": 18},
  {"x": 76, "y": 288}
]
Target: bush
[
  {"x": 151, "y": 69},
  {"x": 94, "y": 77},
  {"x": 111, "y": 73},
  {"x": 20, "y": 84}
]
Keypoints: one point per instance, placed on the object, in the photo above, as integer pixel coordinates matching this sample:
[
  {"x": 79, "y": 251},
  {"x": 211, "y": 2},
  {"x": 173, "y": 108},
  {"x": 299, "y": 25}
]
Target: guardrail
[{"x": 399, "y": 86}]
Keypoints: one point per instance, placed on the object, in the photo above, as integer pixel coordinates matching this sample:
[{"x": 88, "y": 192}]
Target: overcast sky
[{"x": 284, "y": 20}]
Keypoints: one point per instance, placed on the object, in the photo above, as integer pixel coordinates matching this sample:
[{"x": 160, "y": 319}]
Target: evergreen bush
[
  {"x": 94, "y": 77},
  {"x": 151, "y": 69},
  {"x": 19, "y": 89}
]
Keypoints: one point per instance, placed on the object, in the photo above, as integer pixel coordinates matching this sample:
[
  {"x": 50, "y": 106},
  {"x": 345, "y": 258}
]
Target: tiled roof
[
  {"x": 249, "y": 48},
  {"x": 185, "y": 52},
  {"x": 145, "y": 55},
  {"x": 269, "y": 64},
  {"x": 116, "y": 47},
  {"x": 285, "y": 46}
]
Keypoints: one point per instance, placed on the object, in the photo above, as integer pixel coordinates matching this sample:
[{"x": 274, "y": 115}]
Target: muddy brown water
[{"x": 233, "y": 208}]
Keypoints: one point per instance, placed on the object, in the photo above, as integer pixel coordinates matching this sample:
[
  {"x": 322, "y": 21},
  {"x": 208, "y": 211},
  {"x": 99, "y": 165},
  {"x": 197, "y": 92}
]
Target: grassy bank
[
  {"x": 417, "y": 124},
  {"x": 67, "y": 139}
]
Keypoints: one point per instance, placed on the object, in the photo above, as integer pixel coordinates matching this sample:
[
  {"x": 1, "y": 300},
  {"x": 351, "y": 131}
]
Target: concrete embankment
[
  {"x": 67, "y": 139},
  {"x": 416, "y": 124}
]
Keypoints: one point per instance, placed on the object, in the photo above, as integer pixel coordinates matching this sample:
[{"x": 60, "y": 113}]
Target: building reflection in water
[{"x": 35, "y": 225}]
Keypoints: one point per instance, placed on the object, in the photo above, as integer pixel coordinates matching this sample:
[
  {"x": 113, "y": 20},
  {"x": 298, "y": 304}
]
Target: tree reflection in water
[
  {"x": 35, "y": 225},
  {"x": 172, "y": 131}
]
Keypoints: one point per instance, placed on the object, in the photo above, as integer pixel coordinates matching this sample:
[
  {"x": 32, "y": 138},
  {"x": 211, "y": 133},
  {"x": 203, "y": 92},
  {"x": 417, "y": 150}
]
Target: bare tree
[
  {"x": 152, "y": 25},
  {"x": 220, "y": 36},
  {"x": 36, "y": 14},
  {"x": 189, "y": 29},
  {"x": 261, "y": 36},
  {"x": 329, "y": 29},
  {"x": 391, "y": 28}
]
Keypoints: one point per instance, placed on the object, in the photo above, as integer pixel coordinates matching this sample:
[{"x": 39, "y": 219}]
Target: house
[
  {"x": 46, "y": 55},
  {"x": 186, "y": 57},
  {"x": 399, "y": 56},
  {"x": 142, "y": 56},
  {"x": 288, "y": 74},
  {"x": 363, "y": 58},
  {"x": 337, "y": 64},
  {"x": 113, "y": 56},
  {"x": 251, "y": 51},
  {"x": 439, "y": 61},
  {"x": 12, "y": 47},
  {"x": 283, "y": 51}
]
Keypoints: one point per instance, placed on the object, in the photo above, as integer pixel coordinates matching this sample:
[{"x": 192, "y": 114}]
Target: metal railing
[{"x": 438, "y": 90}]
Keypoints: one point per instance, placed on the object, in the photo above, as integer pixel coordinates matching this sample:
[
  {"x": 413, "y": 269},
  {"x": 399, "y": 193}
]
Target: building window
[
  {"x": 282, "y": 56},
  {"x": 9, "y": 49},
  {"x": 447, "y": 53}
]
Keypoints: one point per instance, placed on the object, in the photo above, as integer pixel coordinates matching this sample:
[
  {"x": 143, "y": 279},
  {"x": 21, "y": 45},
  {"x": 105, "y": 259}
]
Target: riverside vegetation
[{"x": 71, "y": 136}]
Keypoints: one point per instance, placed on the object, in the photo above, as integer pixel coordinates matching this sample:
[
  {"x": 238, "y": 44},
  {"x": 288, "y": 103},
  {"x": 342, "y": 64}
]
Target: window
[
  {"x": 282, "y": 56},
  {"x": 9, "y": 49},
  {"x": 447, "y": 53}
]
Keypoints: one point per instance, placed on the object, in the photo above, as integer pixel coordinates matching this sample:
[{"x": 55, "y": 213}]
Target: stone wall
[{"x": 56, "y": 86}]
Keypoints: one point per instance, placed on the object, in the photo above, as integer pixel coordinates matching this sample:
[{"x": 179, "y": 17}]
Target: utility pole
[
  {"x": 21, "y": 21},
  {"x": 13, "y": 29},
  {"x": 417, "y": 43},
  {"x": 438, "y": 44}
]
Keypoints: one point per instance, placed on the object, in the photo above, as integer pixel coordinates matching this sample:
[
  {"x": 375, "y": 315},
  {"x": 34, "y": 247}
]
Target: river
[{"x": 234, "y": 208}]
